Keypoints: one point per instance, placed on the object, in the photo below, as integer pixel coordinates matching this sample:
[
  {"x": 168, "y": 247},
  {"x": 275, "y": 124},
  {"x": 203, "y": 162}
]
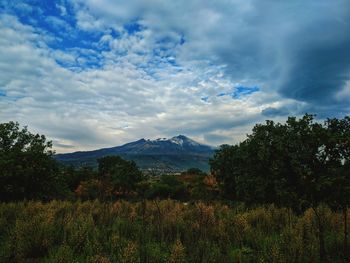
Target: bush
[{"x": 162, "y": 231}]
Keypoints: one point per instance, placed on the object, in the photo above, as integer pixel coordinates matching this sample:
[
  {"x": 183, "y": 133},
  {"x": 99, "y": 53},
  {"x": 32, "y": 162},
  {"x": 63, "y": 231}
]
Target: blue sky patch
[
  {"x": 239, "y": 92},
  {"x": 243, "y": 91},
  {"x": 58, "y": 22},
  {"x": 59, "y": 25},
  {"x": 133, "y": 28},
  {"x": 182, "y": 40}
]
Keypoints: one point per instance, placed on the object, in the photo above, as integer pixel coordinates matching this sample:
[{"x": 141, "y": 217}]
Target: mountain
[{"x": 161, "y": 155}]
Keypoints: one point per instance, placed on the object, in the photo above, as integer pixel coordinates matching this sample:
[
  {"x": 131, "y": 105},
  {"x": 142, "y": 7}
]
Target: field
[{"x": 163, "y": 231}]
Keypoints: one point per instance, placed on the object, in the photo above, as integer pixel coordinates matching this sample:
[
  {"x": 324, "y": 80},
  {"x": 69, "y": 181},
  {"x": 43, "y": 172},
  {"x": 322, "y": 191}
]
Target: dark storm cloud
[
  {"x": 299, "y": 48},
  {"x": 217, "y": 139},
  {"x": 321, "y": 65},
  {"x": 273, "y": 112}
]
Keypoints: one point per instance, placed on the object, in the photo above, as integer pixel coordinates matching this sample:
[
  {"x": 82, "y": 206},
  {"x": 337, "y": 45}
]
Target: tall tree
[
  {"x": 224, "y": 166},
  {"x": 27, "y": 169},
  {"x": 340, "y": 196},
  {"x": 299, "y": 164},
  {"x": 123, "y": 175}
]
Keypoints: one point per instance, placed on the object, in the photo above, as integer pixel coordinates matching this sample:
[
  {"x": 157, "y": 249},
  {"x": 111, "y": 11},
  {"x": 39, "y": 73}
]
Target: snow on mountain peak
[
  {"x": 180, "y": 140},
  {"x": 177, "y": 140}
]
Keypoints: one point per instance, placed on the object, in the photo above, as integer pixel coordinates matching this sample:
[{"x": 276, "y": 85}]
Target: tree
[
  {"x": 204, "y": 187},
  {"x": 74, "y": 176},
  {"x": 259, "y": 161},
  {"x": 193, "y": 171},
  {"x": 123, "y": 175},
  {"x": 340, "y": 197},
  {"x": 168, "y": 187},
  {"x": 225, "y": 167},
  {"x": 91, "y": 189},
  {"x": 27, "y": 169},
  {"x": 301, "y": 164}
]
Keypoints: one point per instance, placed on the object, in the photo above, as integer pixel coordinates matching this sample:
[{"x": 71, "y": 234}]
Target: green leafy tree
[
  {"x": 299, "y": 164},
  {"x": 259, "y": 156},
  {"x": 123, "y": 175},
  {"x": 340, "y": 196},
  {"x": 194, "y": 171},
  {"x": 92, "y": 189},
  {"x": 168, "y": 187},
  {"x": 225, "y": 167},
  {"x": 74, "y": 176},
  {"x": 27, "y": 169}
]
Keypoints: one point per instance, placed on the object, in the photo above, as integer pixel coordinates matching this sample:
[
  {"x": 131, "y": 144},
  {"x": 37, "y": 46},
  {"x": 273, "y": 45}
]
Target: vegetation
[
  {"x": 162, "y": 231},
  {"x": 297, "y": 164},
  {"x": 28, "y": 170},
  {"x": 281, "y": 195},
  {"x": 300, "y": 164}
]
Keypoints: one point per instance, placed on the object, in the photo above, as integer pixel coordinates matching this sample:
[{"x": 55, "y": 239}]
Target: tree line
[
  {"x": 298, "y": 164},
  {"x": 28, "y": 171}
]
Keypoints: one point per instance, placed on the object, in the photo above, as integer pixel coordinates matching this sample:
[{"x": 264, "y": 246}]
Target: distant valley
[{"x": 161, "y": 155}]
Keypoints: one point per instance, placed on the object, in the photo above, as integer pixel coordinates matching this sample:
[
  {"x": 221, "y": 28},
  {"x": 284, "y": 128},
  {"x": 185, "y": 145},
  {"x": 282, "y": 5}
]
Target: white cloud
[
  {"x": 110, "y": 105},
  {"x": 344, "y": 93},
  {"x": 149, "y": 83},
  {"x": 62, "y": 9}
]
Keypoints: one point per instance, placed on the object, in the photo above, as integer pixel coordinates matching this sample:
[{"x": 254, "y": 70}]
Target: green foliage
[
  {"x": 61, "y": 254},
  {"x": 297, "y": 164},
  {"x": 74, "y": 176},
  {"x": 123, "y": 175},
  {"x": 168, "y": 187},
  {"x": 194, "y": 171},
  {"x": 92, "y": 189},
  {"x": 163, "y": 231},
  {"x": 27, "y": 170},
  {"x": 225, "y": 166},
  {"x": 301, "y": 165}
]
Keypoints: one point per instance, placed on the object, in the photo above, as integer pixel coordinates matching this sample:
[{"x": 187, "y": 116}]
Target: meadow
[
  {"x": 281, "y": 195},
  {"x": 163, "y": 231}
]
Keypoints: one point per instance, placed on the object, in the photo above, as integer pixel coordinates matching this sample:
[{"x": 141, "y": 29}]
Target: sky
[{"x": 99, "y": 73}]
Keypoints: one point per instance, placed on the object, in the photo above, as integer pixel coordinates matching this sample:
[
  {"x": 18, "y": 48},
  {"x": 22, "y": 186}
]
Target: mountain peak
[
  {"x": 178, "y": 152},
  {"x": 180, "y": 136},
  {"x": 179, "y": 144},
  {"x": 183, "y": 140}
]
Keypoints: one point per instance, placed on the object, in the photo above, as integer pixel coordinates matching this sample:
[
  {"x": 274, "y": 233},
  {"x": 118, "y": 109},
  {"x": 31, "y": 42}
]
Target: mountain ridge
[{"x": 174, "y": 154}]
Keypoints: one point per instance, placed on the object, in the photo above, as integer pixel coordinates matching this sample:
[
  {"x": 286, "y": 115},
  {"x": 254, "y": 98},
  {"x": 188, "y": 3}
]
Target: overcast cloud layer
[{"x": 91, "y": 74}]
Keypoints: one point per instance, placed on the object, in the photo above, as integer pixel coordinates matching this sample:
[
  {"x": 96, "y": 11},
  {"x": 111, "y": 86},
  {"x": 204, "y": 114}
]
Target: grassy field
[{"x": 162, "y": 231}]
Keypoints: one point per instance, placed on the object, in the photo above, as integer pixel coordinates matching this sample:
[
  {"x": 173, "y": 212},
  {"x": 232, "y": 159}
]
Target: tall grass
[{"x": 162, "y": 231}]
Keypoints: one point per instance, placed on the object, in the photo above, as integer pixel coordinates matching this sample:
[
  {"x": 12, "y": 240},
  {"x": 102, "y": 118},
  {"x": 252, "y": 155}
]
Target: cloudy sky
[{"x": 98, "y": 73}]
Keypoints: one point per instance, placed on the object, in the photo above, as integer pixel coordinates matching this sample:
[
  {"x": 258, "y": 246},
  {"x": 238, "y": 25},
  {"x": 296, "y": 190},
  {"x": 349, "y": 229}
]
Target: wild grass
[{"x": 162, "y": 231}]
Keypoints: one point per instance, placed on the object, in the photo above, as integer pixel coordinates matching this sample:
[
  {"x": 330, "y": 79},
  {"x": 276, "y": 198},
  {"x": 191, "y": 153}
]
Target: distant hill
[{"x": 161, "y": 155}]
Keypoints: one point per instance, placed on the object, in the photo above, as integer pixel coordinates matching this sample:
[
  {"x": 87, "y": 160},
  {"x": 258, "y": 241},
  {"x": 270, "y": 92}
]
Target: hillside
[{"x": 161, "y": 155}]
